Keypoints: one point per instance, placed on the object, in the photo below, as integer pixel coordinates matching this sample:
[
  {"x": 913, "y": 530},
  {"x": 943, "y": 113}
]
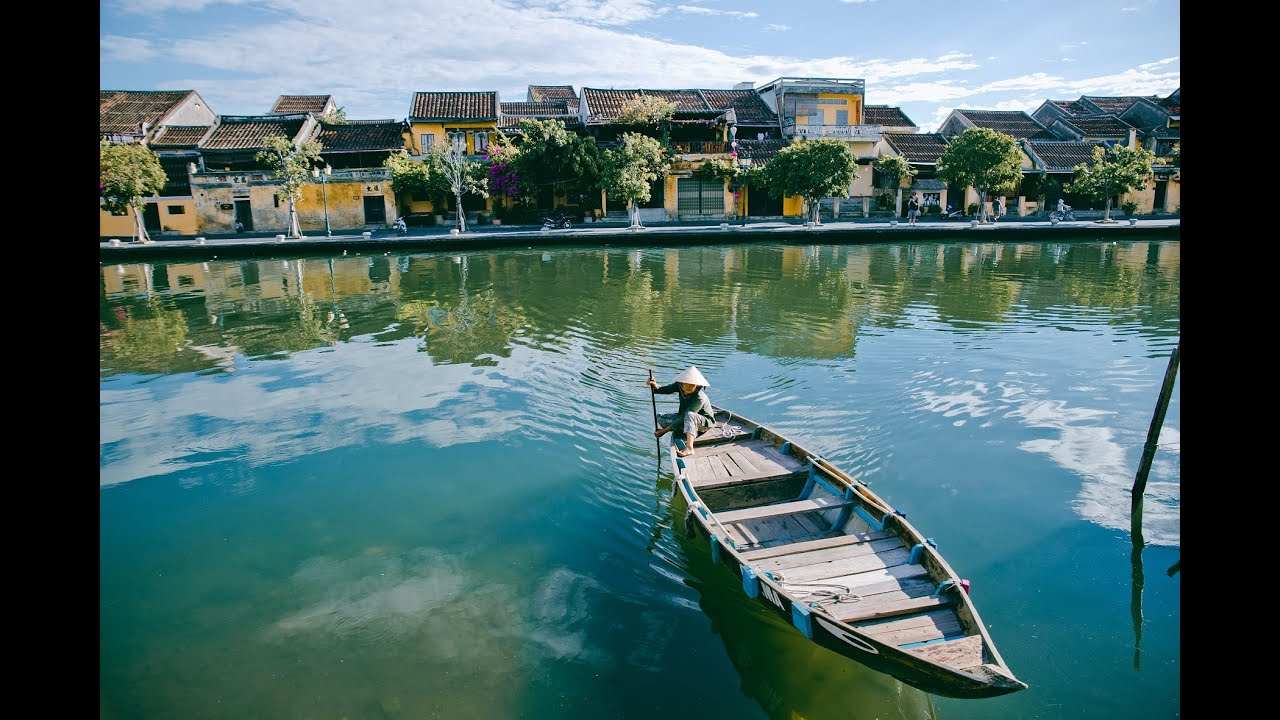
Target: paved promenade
[{"x": 599, "y": 234}]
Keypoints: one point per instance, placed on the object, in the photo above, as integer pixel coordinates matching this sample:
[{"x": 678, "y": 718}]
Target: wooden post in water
[{"x": 1149, "y": 449}]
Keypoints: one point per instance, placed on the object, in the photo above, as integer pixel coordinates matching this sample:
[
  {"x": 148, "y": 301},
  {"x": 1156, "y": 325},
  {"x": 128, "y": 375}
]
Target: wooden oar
[{"x": 653, "y": 398}]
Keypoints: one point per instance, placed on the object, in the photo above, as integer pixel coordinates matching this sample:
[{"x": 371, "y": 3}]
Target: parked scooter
[
  {"x": 560, "y": 221},
  {"x": 401, "y": 227}
]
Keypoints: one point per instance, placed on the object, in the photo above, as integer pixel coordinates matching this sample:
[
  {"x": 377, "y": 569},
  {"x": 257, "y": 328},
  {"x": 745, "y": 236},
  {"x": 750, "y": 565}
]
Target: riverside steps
[{"x": 264, "y": 244}]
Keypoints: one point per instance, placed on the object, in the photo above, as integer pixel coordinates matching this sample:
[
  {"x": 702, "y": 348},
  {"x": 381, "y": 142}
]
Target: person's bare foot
[{"x": 684, "y": 453}]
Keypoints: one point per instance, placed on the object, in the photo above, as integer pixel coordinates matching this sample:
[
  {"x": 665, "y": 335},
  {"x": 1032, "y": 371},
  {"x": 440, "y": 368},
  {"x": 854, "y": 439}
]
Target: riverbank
[{"x": 599, "y": 234}]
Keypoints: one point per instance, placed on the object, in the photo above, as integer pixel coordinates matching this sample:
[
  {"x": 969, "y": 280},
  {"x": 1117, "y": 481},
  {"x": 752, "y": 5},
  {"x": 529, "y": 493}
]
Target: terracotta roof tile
[
  {"x": 1072, "y": 107},
  {"x": 179, "y": 136},
  {"x": 361, "y": 135},
  {"x": 1115, "y": 105},
  {"x": 760, "y": 151},
  {"x": 918, "y": 148},
  {"x": 289, "y": 104},
  {"x": 121, "y": 111},
  {"x": 250, "y": 132},
  {"x": 750, "y": 108},
  {"x": 543, "y": 110},
  {"x": 1010, "y": 122},
  {"x": 458, "y": 106},
  {"x": 1062, "y": 155},
  {"x": 886, "y": 116},
  {"x": 542, "y": 93},
  {"x": 1099, "y": 126}
]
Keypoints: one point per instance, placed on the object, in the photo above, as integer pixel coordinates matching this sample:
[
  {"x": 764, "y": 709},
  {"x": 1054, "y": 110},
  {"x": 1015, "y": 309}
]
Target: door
[
  {"x": 244, "y": 214},
  {"x": 698, "y": 196},
  {"x": 375, "y": 210},
  {"x": 151, "y": 217},
  {"x": 1162, "y": 190}
]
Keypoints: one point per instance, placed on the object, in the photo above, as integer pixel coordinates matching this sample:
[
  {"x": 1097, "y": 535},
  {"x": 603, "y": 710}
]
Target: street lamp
[{"x": 323, "y": 176}]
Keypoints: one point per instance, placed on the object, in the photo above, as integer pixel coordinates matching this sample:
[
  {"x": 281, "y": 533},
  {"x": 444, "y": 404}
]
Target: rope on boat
[{"x": 827, "y": 594}]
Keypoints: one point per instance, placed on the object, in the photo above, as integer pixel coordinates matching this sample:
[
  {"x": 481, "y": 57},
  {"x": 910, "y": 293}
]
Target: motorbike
[
  {"x": 401, "y": 227},
  {"x": 557, "y": 222}
]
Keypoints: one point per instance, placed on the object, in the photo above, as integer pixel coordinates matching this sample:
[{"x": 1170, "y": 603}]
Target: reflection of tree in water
[
  {"x": 478, "y": 325},
  {"x": 147, "y": 338}
]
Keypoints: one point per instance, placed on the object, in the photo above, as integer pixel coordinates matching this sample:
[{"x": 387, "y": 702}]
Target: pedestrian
[
  {"x": 695, "y": 415},
  {"x": 913, "y": 210},
  {"x": 995, "y": 209}
]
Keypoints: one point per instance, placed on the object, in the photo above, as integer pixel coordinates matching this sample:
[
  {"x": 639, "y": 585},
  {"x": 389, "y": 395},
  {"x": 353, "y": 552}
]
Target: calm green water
[{"x": 425, "y": 486}]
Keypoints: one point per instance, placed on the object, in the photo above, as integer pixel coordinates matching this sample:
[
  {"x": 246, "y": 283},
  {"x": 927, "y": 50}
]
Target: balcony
[
  {"x": 861, "y": 133},
  {"x": 702, "y": 147}
]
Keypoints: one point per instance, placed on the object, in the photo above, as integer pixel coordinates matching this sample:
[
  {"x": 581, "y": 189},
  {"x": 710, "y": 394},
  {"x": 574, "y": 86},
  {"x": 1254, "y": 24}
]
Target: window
[
  {"x": 176, "y": 210},
  {"x": 428, "y": 140},
  {"x": 459, "y": 141},
  {"x": 481, "y": 142},
  {"x": 842, "y": 117},
  {"x": 277, "y": 199},
  {"x": 833, "y": 101}
]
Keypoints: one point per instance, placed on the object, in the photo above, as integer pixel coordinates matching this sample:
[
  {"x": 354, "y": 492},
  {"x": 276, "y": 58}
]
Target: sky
[{"x": 927, "y": 57}]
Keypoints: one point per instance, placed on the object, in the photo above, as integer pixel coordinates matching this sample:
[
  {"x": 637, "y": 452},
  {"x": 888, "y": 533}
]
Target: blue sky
[{"x": 925, "y": 56}]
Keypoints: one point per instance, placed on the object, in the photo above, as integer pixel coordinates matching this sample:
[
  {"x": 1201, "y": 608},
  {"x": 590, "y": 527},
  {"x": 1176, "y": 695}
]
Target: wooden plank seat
[
  {"x": 788, "y": 548},
  {"x": 737, "y": 461},
  {"x": 873, "y": 610},
  {"x": 913, "y": 629},
  {"x": 785, "y": 508}
]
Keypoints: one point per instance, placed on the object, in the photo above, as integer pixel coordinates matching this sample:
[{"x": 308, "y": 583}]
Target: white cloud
[
  {"x": 777, "y": 27},
  {"x": 125, "y": 49}
]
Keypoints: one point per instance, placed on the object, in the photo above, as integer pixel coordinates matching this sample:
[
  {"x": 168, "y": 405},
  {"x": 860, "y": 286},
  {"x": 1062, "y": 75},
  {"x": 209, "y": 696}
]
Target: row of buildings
[{"x": 215, "y": 184}]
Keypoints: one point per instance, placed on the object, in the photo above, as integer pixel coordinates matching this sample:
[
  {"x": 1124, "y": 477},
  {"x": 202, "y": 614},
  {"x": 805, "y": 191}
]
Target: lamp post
[
  {"x": 733, "y": 158},
  {"x": 323, "y": 176}
]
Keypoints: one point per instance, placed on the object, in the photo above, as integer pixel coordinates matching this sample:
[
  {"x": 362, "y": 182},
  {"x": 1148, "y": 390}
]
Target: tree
[
  {"x": 129, "y": 173},
  {"x": 894, "y": 170},
  {"x": 984, "y": 159},
  {"x": 631, "y": 167},
  {"x": 813, "y": 169},
  {"x": 290, "y": 165},
  {"x": 648, "y": 111},
  {"x": 336, "y": 116},
  {"x": 552, "y": 156},
  {"x": 410, "y": 177},
  {"x": 1113, "y": 171},
  {"x": 460, "y": 173}
]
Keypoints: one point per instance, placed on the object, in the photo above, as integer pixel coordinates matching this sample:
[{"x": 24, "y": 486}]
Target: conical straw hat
[{"x": 693, "y": 377}]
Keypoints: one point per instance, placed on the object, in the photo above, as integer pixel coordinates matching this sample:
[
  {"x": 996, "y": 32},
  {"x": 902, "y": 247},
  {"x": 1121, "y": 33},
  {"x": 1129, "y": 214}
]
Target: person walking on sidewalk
[{"x": 913, "y": 210}]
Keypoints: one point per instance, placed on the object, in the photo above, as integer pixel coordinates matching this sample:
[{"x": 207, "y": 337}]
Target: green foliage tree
[
  {"x": 410, "y": 176},
  {"x": 336, "y": 116},
  {"x": 462, "y": 175},
  {"x": 895, "y": 172},
  {"x": 552, "y": 156},
  {"x": 630, "y": 167},
  {"x": 290, "y": 166},
  {"x": 128, "y": 173},
  {"x": 648, "y": 111},
  {"x": 1113, "y": 171},
  {"x": 813, "y": 169},
  {"x": 983, "y": 158}
]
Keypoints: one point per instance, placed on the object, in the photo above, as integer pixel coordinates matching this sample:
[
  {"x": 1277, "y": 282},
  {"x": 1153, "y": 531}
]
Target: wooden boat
[{"x": 823, "y": 551}]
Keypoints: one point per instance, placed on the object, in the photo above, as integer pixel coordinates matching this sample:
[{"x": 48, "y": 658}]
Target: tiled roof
[
  {"x": 887, "y": 116},
  {"x": 121, "y": 111},
  {"x": 748, "y": 106},
  {"x": 1115, "y": 105},
  {"x": 179, "y": 136},
  {"x": 1099, "y": 125},
  {"x": 361, "y": 135},
  {"x": 1071, "y": 107},
  {"x": 250, "y": 132},
  {"x": 545, "y": 109},
  {"x": 1165, "y": 133},
  {"x": 1062, "y": 155},
  {"x": 760, "y": 151},
  {"x": 918, "y": 148},
  {"x": 542, "y": 93},
  {"x": 690, "y": 105},
  {"x": 1010, "y": 122},
  {"x": 928, "y": 184},
  {"x": 458, "y": 106},
  {"x": 289, "y": 104}
]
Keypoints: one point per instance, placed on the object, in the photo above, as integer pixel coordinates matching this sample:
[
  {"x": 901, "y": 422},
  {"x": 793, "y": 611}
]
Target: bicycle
[{"x": 1060, "y": 216}]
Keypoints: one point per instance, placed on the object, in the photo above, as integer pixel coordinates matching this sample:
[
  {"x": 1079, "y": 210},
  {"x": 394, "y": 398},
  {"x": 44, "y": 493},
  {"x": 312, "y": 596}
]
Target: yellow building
[
  {"x": 171, "y": 124},
  {"x": 468, "y": 120}
]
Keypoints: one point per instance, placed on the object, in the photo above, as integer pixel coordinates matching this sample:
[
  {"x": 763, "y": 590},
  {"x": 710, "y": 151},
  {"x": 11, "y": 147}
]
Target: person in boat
[{"x": 695, "y": 415}]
